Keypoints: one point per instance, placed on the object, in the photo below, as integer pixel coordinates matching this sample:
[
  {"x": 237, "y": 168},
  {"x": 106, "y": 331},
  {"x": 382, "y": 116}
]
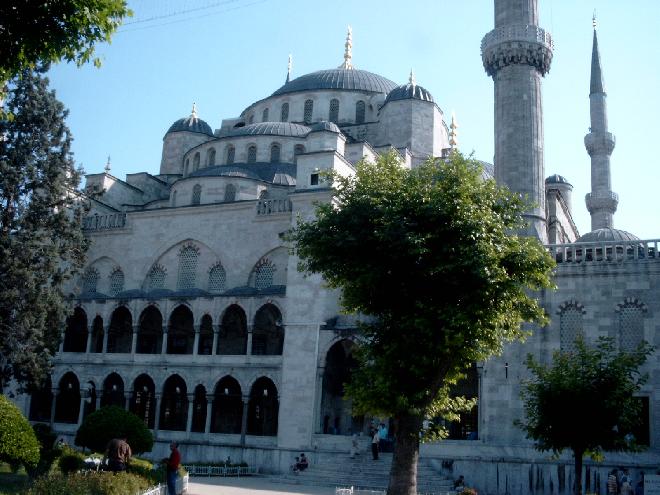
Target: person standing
[
  {"x": 118, "y": 453},
  {"x": 612, "y": 483},
  {"x": 374, "y": 444},
  {"x": 172, "y": 466}
]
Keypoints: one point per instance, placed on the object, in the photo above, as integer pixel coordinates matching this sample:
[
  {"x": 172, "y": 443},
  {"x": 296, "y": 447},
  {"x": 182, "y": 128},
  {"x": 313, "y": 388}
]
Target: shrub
[
  {"x": 18, "y": 443},
  {"x": 111, "y": 422},
  {"x": 91, "y": 483},
  {"x": 47, "y": 452},
  {"x": 71, "y": 462},
  {"x": 144, "y": 468}
]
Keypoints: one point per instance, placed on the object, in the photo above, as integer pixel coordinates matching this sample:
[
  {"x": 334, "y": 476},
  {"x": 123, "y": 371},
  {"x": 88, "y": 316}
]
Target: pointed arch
[
  {"x": 120, "y": 332},
  {"x": 268, "y": 331},
  {"x": 41, "y": 401},
  {"x": 230, "y": 154},
  {"x": 174, "y": 406},
  {"x": 570, "y": 325},
  {"x": 67, "y": 403},
  {"x": 336, "y": 410},
  {"x": 210, "y": 157},
  {"x": 252, "y": 153},
  {"x": 275, "y": 153},
  {"x": 333, "y": 113},
  {"x": 196, "y": 194},
  {"x": 150, "y": 332},
  {"x": 630, "y": 324},
  {"x": 205, "y": 345},
  {"x": 90, "y": 281},
  {"x": 217, "y": 278},
  {"x": 143, "y": 399},
  {"x": 227, "y": 408},
  {"x": 188, "y": 258},
  {"x": 97, "y": 335},
  {"x": 232, "y": 337},
  {"x": 198, "y": 423},
  {"x": 308, "y": 111},
  {"x": 116, "y": 281},
  {"x": 284, "y": 112},
  {"x": 113, "y": 391},
  {"x": 75, "y": 334},
  {"x": 360, "y": 110},
  {"x": 263, "y": 408},
  {"x": 230, "y": 193},
  {"x": 181, "y": 331},
  {"x": 156, "y": 277}
]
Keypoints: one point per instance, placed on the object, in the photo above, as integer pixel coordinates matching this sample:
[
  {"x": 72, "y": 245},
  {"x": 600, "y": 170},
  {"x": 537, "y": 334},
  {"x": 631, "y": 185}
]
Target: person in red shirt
[{"x": 172, "y": 465}]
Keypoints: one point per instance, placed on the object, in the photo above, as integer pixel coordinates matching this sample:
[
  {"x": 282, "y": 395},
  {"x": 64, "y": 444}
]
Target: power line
[{"x": 180, "y": 12}]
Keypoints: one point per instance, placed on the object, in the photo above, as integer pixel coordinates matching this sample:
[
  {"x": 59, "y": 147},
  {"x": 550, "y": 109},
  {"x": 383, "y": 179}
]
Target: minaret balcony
[
  {"x": 604, "y": 200},
  {"x": 517, "y": 45},
  {"x": 599, "y": 143}
]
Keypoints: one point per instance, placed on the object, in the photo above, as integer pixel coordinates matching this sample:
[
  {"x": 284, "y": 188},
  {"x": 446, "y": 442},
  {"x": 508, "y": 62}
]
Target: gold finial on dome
[
  {"x": 288, "y": 68},
  {"x": 593, "y": 20},
  {"x": 193, "y": 114},
  {"x": 411, "y": 79},
  {"x": 348, "y": 53},
  {"x": 453, "y": 133},
  {"x": 107, "y": 166}
]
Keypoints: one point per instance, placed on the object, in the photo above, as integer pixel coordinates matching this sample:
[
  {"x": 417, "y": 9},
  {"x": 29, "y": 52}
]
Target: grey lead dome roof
[
  {"x": 607, "y": 234},
  {"x": 557, "y": 179},
  {"x": 409, "y": 91},
  {"x": 191, "y": 124},
  {"x": 342, "y": 79},
  {"x": 271, "y": 129},
  {"x": 324, "y": 125}
]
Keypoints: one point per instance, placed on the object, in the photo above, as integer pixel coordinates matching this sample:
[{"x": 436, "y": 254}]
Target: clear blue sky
[{"x": 224, "y": 55}]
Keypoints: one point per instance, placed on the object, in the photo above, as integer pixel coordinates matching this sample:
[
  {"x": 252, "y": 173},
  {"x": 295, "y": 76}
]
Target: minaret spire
[
  {"x": 193, "y": 113},
  {"x": 107, "y": 166},
  {"x": 411, "y": 79},
  {"x": 453, "y": 133},
  {"x": 348, "y": 50},
  {"x": 601, "y": 201},
  {"x": 288, "y": 68}
]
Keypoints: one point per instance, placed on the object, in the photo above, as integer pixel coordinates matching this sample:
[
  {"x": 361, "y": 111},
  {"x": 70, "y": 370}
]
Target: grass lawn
[{"x": 10, "y": 483}]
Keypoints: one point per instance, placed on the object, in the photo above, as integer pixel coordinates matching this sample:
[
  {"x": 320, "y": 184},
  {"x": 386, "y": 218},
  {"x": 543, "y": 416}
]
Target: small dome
[
  {"x": 271, "y": 129},
  {"x": 409, "y": 91},
  {"x": 191, "y": 123},
  {"x": 607, "y": 234},
  {"x": 324, "y": 125},
  {"x": 340, "y": 79},
  {"x": 557, "y": 179}
]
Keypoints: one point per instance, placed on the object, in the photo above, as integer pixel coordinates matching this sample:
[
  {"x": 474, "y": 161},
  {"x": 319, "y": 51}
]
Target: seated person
[
  {"x": 294, "y": 466},
  {"x": 459, "y": 484},
  {"x": 303, "y": 463}
]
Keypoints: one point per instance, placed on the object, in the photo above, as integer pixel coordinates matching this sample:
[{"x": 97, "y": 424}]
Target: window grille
[
  {"x": 231, "y": 154},
  {"x": 299, "y": 149},
  {"x": 116, "y": 281},
  {"x": 174, "y": 198},
  {"x": 217, "y": 278},
  {"x": 252, "y": 154},
  {"x": 263, "y": 276},
  {"x": 197, "y": 194},
  {"x": 187, "y": 267},
  {"x": 631, "y": 327},
  {"x": 334, "y": 110},
  {"x": 187, "y": 167},
  {"x": 570, "y": 328},
  {"x": 309, "y": 108},
  {"x": 264, "y": 115},
  {"x": 156, "y": 277},
  {"x": 196, "y": 162},
  {"x": 210, "y": 158},
  {"x": 230, "y": 192},
  {"x": 284, "y": 112},
  {"x": 90, "y": 281},
  {"x": 359, "y": 112},
  {"x": 275, "y": 153},
  {"x": 314, "y": 179}
]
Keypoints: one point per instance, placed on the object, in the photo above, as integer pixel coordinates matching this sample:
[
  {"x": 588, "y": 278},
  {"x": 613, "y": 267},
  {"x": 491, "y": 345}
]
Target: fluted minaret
[
  {"x": 516, "y": 54},
  {"x": 601, "y": 201}
]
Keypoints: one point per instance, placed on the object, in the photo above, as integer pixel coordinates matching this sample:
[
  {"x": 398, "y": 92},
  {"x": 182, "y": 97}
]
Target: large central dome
[{"x": 346, "y": 79}]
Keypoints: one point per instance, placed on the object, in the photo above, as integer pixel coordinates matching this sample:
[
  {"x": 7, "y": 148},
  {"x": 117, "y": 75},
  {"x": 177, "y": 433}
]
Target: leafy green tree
[
  {"x": 18, "y": 443},
  {"x": 44, "y": 31},
  {"x": 584, "y": 401},
  {"x": 429, "y": 256},
  {"x": 41, "y": 242},
  {"x": 113, "y": 422}
]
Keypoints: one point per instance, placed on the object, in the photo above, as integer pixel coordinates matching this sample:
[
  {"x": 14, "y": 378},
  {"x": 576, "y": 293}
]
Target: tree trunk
[
  {"x": 403, "y": 474},
  {"x": 578, "y": 471}
]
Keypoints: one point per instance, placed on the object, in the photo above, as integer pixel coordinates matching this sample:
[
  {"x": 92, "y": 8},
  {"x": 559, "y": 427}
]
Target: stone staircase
[{"x": 363, "y": 472}]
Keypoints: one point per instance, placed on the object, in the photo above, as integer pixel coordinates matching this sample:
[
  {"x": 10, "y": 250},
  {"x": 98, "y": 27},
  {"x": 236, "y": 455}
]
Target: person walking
[
  {"x": 172, "y": 466},
  {"x": 118, "y": 453},
  {"x": 375, "y": 439}
]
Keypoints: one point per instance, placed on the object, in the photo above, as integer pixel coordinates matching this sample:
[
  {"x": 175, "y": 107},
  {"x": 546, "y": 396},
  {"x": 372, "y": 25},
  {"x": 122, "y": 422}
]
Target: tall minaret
[
  {"x": 601, "y": 201},
  {"x": 516, "y": 54}
]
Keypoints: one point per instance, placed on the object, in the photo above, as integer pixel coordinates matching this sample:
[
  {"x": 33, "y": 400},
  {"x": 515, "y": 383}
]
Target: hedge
[
  {"x": 112, "y": 422},
  {"x": 18, "y": 443}
]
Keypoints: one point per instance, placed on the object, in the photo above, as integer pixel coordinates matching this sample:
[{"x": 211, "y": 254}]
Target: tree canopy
[
  {"x": 584, "y": 401},
  {"x": 111, "y": 422},
  {"x": 429, "y": 255},
  {"x": 18, "y": 442},
  {"x": 43, "y": 31},
  {"x": 41, "y": 242}
]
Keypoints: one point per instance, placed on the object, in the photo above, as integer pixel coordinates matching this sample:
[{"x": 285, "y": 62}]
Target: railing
[
  {"x": 353, "y": 490},
  {"x": 161, "y": 489},
  {"x": 270, "y": 206},
  {"x": 195, "y": 470},
  {"x": 517, "y": 33},
  {"x": 606, "y": 251},
  {"x": 105, "y": 222}
]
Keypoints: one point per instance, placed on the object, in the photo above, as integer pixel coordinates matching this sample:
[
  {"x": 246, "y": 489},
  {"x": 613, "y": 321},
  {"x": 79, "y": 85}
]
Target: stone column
[
  {"x": 163, "y": 349},
  {"x": 318, "y": 401},
  {"x": 157, "y": 414},
  {"x": 248, "y": 351},
  {"x": 61, "y": 346},
  {"x": 53, "y": 406},
  {"x": 127, "y": 400},
  {"x": 246, "y": 400},
  {"x": 209, "y": 411},
  {"x": 216, "y": 332},
  {"x": 196, "y": 341},
  {"x": 191, "y": 403},
  {"x": 106, "y": 331},
  {"x": 136, "y": 330},
  {"x": 83, "y": 401},
  {"x": 90, "y": 335},
  {"x": 97, "y": 403}
]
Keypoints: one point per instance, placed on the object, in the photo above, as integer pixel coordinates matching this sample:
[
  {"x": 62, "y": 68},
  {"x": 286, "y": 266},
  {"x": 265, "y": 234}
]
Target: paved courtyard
[{"x": 244, "y": 486}]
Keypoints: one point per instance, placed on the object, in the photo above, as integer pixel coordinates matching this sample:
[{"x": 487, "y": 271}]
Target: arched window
[
  {"x": 336, "y": 408},
  {"x": 67, "y": 403},
  {"x": 180, "y": 332},
  {"x": 97, "y": 335},
  {"x": 113, "y": 391},
  {"x": 309, "y": 109},
  {"x": 197, "y": 194},
  {"x": 41, "y": 402},
  {"x": 75, "y": 335},
  {"x": 251, "y": 119},
  {"x": 227, "y": 409},
  {"x": 188, "y": 256},
  {"x": 156, "y": 277},
  {"x": 274, "y": 153},
  {"x": 198, "y": 423},
  {"x": 334, "y": 111},
  {"x": 231, "y": 154},
  {"x": 232, "y": 339},
  {"x": 263, "y": 408},
  {"x": 263, "y": 274},
  {"x": 116, "y": 281},
  {"x": 205, "y": 345},
  {"x": 570, "y": 326},
  {"x": 230, "y": 193},
  {"x": 90, "y": 281},
  {"x": 210, "y": 157},
  {"x": 173, "y": 203},
  {"x": 143, "y": 400},
  {"x": 359, "y": 112},
  {"x": 268, "y": 332},
  {"x": 217, "y": 278},
  {"x": 298, "y": 149},
  {"x": 631, "y": 325},
  {"x": 196, "y": 162},
  {"x": 120, "y": 332},
  {"x": 174, "y": 408},
  {"x": 252, "y": 154},
  {"x": 150, "y": 332},
  {"x": 186, "y": 169},
  {"x": 284, "y": 112},
  {"x": 264, "y": 115}
]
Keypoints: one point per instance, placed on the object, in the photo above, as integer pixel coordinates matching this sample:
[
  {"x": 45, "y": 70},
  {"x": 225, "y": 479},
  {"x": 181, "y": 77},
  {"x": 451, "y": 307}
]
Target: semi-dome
[
  {"x": 324, "y": 125},
  {"x": 606, "y": 234},
  {"x": 339, "y": 79},
  {"x": 191, "y": 123},
  {"x": 410, "y": 91},
  {"x": 287, "y": 129},
  {"x": 557, "y": 179}
]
